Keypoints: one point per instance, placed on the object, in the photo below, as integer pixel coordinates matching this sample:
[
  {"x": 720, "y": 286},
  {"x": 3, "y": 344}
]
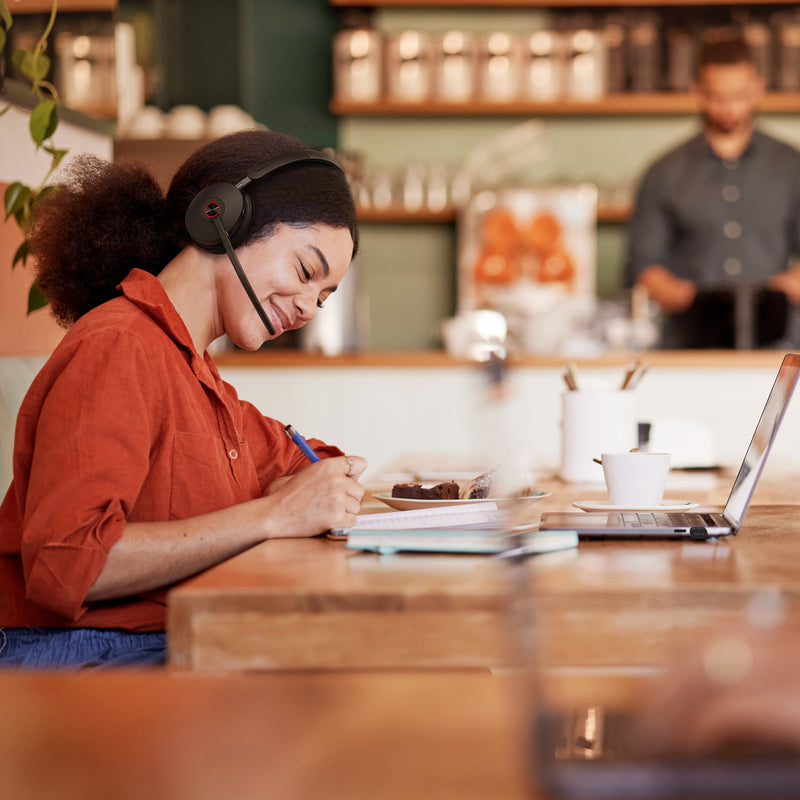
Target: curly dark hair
[
  {"x": 107, "y": 218},
  {"x": 100, "y": 224}
]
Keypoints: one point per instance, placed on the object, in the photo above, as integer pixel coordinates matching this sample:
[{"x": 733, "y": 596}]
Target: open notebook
[{"x": 473, "y": 528}]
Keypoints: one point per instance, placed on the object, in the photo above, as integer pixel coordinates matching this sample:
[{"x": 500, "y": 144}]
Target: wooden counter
[
  {"x": 313, "y": 604},
  {"x": 438, "y": 359}
]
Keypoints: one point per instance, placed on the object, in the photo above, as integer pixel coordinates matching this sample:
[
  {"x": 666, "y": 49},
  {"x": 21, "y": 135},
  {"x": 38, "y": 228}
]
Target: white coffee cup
[{"x": 635, "y": 480}]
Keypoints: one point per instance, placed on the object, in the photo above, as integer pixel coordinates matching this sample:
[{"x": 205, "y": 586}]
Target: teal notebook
[{"x": 459, "y": 540}]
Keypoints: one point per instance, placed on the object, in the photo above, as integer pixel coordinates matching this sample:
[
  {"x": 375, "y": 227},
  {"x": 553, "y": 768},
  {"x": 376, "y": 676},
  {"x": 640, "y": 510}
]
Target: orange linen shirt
[{"x": 124, "y": 423}]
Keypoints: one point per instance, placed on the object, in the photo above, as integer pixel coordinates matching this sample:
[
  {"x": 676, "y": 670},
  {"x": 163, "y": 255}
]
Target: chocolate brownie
[{"x": 447, "y": 490}]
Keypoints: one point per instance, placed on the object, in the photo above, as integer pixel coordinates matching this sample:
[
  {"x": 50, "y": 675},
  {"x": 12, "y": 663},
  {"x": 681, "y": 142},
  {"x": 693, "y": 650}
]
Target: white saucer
[{"x": 667, "y": 505}]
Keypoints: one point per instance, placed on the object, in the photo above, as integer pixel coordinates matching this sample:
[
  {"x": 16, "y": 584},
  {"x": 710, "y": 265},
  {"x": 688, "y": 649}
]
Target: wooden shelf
[
  {"x": 438, "y": 359},
  {"x": 399, "y": 215},
  {"x": 104, "y": 111},
  {"x": 45, "y": 6},
  {"x": 540, "y": 3},
  {"x": 629, "y": 103},
  {"x": 162, "y": 156}
]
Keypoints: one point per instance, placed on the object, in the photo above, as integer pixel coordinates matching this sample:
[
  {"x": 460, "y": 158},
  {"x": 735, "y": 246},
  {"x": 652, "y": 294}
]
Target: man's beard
[{"x": 714, "y": 125}]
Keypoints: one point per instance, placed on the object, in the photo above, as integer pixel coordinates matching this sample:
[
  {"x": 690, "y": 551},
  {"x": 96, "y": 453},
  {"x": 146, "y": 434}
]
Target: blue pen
[{"x": 301, "y": 443}]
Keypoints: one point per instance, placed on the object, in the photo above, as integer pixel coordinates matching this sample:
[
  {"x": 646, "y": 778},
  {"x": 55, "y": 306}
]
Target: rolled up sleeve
[{"x": 93, "y": 440}]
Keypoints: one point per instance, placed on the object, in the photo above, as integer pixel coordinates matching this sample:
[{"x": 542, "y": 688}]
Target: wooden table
[
  {"x": 310, "y": 604},
  {"x": 297, "y": 604},
  {"x": 161, "y": 736}
]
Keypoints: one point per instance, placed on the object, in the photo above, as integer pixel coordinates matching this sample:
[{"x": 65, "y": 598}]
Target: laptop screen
[{"x": 762, "y": 440}]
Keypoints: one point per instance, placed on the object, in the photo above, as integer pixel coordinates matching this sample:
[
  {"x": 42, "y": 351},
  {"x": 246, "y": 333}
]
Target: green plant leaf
[
  {"x": 23, "y": 251},
  {"x": 40, "y": 67},
  {"x": 44, "y": 120},
  {"x": 2, "y": 39},
  {"x": 36, "y": 298},
  {"x": 58, "y": 154},
  {"x": 23, "y": 219},
  {"x": 34, "y": 67},
  {"x": 5, "y": 15},
  {"x": 16, "y": 196},
  {"x": 45, "y": 191}
]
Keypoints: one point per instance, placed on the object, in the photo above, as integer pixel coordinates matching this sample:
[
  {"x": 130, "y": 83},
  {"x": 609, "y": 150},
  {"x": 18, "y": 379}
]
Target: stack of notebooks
[{"x": 474, "y": 528}]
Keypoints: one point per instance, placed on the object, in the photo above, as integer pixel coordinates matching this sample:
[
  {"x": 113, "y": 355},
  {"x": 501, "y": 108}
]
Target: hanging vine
[{"x": 19, "y": 198}]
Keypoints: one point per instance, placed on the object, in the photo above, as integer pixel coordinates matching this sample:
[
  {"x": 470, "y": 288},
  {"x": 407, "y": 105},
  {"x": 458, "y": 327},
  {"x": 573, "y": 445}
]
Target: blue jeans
[{"x": 78, "y": 648}]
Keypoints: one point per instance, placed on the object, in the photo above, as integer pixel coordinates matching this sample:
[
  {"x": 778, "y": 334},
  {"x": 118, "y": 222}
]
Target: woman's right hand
[{"x": 321, "y": 496}]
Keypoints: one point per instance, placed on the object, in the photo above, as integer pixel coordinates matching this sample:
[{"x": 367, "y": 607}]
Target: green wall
[{"x": 286, "y": 66}]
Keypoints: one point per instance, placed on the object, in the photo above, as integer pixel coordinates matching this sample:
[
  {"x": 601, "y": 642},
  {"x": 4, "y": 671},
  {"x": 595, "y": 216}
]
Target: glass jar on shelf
[
  {"x": 499, "y": 66},
  {"x": 454, "y": 66},
  {"x": 408, "y": 66},
  {"x": 357, "y": 55}
]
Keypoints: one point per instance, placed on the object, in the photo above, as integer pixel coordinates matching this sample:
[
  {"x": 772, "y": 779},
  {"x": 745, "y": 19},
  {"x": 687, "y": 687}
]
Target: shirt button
[
  {"x": 732, "y": 266},
  {"x": 233, "y": 454},
  {"x": 731, "y": 163},
  {"x": 731, "y": 194},
  {"x": 732, "y": 229}
]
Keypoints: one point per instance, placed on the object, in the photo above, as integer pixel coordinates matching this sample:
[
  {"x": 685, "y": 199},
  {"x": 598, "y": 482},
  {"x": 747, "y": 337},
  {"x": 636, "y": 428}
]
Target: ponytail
[{"x": 101, "y": 222}]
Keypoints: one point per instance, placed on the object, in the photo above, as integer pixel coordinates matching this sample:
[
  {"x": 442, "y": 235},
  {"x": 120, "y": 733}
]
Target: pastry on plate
[{"x": 479, "y": 487}]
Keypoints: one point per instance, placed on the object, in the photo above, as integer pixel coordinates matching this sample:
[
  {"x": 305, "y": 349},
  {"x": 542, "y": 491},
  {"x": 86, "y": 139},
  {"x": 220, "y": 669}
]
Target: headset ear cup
[
  {"x": 224, "y": 201},
  {"x": 239, "y": 233}
]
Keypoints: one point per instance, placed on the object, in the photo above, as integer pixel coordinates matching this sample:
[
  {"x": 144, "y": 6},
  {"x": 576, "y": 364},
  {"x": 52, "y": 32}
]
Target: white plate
[
  {"x": 667, "y": 505},
  {"x": 408, "y": 504}
]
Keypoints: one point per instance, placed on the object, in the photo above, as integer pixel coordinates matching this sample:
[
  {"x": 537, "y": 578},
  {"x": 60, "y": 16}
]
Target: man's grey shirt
[{"x": 718, "y": 222}]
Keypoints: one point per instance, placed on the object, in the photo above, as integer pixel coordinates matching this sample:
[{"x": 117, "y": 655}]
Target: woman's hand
[
  {"x": 323, "y": 495},
  {"x": 357, "y": 467}
]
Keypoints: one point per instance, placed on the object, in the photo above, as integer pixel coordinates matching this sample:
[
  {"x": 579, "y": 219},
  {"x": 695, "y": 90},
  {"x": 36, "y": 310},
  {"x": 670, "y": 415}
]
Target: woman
[{"x": 135, "y": 465}]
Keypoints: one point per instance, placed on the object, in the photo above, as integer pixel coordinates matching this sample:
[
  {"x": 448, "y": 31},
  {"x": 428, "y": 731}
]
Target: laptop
[{"x": 699, "y": 524}]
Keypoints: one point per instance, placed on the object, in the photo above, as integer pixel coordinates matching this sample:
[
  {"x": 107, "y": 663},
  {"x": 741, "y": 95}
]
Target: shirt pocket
[{"x": 202, "y": 478}]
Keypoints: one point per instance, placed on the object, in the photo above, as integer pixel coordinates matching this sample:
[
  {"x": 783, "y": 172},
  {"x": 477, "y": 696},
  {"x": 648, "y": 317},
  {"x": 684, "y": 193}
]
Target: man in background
[{"x": 716, "y": 225}]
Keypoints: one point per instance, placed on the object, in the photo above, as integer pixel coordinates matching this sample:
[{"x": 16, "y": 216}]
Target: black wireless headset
[{"x": 218, "y": 218}]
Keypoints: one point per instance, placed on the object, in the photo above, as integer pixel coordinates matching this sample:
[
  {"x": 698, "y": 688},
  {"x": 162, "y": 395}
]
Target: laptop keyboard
[{"x": 640, "y": 519}]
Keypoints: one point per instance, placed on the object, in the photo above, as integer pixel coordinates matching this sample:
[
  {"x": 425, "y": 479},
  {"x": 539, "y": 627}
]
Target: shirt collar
[
  {"x": 751, "y": 149},
  {"x": 146, "y": 292}
]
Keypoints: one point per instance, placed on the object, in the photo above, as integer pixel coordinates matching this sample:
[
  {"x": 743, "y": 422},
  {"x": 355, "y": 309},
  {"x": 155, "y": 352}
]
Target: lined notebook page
[{"x": 471, "y": 515}]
